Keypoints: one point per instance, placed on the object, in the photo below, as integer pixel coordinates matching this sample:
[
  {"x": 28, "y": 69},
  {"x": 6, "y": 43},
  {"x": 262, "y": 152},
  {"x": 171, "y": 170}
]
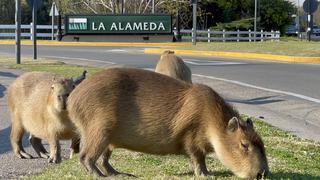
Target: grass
[
  {"x": 47, "y": 65},
  {"x": 289, "y": 157},
  {"x": 286, "y": 46}
]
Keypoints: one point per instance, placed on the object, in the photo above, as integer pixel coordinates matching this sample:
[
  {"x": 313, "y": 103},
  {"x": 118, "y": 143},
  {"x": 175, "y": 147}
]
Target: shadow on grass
[
  {"x": 292, "y": 175},
  {"x": 211, "y": 173}
]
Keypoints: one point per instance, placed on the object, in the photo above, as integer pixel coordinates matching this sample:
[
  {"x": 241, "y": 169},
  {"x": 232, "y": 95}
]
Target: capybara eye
[{"x": 67, "y": 95}]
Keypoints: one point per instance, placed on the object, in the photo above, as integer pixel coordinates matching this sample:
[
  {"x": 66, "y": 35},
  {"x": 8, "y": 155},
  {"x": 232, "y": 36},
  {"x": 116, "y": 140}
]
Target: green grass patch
[
  {"x": 287, "y": 46},
  {"x": 47, "y": 65},
  {"x": 289, "y": 157}
]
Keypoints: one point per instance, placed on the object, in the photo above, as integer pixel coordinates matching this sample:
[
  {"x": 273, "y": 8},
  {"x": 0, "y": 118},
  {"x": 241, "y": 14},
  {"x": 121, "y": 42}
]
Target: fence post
[
  {"x": 192, "y": 35},
  {"x": 209, "y": 36},
  {"x": 224, "y": 35},
  {"x": 31, "y": 32},
  {"x": 238, "y": 35},
  {"x": 272, "y": 35},
  {"x": 261, "y": 35},
  {"x": 278, "y": 35},
  {"x": 249, "y": 35}
]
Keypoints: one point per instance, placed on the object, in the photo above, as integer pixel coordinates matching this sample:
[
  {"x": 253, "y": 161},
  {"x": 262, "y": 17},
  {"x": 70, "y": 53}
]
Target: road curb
[
  {"x": 239, "y": 55},
  {"x": 115, "y": 44}
]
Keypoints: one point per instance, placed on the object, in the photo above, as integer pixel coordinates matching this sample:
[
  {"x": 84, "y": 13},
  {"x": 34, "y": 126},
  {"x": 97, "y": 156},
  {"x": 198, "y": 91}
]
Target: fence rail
[
  {"x": 209, "y": 35},
  {"x": 44, "y": 31}
]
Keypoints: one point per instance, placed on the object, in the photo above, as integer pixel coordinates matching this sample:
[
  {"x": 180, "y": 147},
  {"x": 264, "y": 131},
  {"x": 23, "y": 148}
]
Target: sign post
[
  {"x": 310, "y": 6},
  {"x": 35, "y": 5},
  {"x": 18, "y": 31},
  {"x": 53, "y": 12}
]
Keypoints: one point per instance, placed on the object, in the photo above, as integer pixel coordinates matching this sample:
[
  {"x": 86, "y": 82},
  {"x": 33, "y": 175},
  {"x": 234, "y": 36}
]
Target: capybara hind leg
[
  {"x": 16, "y": 135},
  {"x": 38, "y": 147},
  {"x": 105, "y": 162},
  {"x": 55, "y": 151},
  {"x": 92, "y": 147},
  {"x": 75, "y": 146},
  {"x": 198, "y": 163}
]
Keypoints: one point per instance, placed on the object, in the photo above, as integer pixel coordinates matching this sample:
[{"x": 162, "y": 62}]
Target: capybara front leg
[
  {"x": 55, "y": 151},
  {"x": 16, "y": 135},
  {"x": 38, "y": 147},
  {"x": 198, "y": 162},
  {"x": 75, "y": 146}
]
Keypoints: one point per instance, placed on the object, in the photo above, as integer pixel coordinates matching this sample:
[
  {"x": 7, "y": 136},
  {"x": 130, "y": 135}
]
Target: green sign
[{"x": 118, "y": 24}]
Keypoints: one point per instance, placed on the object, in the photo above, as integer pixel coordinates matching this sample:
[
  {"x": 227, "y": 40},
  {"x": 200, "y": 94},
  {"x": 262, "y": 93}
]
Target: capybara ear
[
  {"x": 249, "y": 123},
  {"x": 233, "y": 124}
]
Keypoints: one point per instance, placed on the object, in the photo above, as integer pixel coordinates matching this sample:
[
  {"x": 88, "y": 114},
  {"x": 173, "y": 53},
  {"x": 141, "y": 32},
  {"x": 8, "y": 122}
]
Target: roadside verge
[
  {"x": 240, "y": 55},
  {"x": 115, "y": 44}
]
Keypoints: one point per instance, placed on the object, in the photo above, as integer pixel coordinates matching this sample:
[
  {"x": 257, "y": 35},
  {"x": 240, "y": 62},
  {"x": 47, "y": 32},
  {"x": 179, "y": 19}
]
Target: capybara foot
[
  {"x": 23, "y": 155},
  {"x": 55, "y": 160},
  {"x": 44, "y": 155}
]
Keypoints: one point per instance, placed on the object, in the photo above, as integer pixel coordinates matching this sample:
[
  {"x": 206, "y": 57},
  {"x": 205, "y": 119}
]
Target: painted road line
[
  {"x": 80, "y": 59},
  {"x": 262, "y": 88},
  {"x": 199, "y": 62},
  {"x": 117, "y": 50}
]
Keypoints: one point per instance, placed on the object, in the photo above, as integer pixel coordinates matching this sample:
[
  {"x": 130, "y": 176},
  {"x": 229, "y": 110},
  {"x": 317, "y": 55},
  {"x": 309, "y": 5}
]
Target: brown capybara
[
  {"x": 152, "y": 113},
  {"x": 37, "y": 104},
  {"x": 173, "y": 66}
]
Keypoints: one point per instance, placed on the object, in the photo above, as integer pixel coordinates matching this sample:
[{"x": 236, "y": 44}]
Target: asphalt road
[
  {"x": 302, "y": 79},
  {"x": 285, "y": 95}
]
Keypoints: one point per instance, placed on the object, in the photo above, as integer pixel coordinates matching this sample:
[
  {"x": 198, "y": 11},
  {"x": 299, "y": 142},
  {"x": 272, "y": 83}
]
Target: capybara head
[
  {"x": 60, "y": 90},
  {"x": 242, "y": 150}
]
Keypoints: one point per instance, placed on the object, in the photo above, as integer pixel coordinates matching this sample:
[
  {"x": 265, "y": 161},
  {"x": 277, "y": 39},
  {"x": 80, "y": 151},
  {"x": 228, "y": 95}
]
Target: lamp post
[{"x": 194, "y": 15}]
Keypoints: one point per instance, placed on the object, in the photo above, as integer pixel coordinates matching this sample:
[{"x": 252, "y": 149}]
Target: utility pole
[
  {"x": 194, "y": 15},
  {"x": 255, "y": 20},
  {"x": 34, "y": 29},
  {"x": 18, "y": 31}
]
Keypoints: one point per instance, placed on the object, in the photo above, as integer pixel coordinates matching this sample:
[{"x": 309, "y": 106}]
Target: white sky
[{"x": 296, "y": 1}]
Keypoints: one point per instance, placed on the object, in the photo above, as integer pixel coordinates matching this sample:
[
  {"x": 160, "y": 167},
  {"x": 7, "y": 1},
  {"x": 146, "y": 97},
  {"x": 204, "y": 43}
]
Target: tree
[
  {"x": 276, "y": 14},
  {"x": 7, "y": 9}
]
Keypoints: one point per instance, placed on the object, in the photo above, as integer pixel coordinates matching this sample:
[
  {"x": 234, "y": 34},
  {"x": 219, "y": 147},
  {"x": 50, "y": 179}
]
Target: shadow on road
[
  {"x": 2, "y": 90},
  {"x": 257, "y": 101},
  {"x": 5, "y": 145},
  {"x": 7, "y": 74}
]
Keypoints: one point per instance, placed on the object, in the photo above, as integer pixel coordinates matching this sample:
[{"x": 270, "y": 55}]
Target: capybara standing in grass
[
  {"x": 37, "y": 104},
  {"x": 173, "y": 66},
  {"x": 152, "y": 113}
]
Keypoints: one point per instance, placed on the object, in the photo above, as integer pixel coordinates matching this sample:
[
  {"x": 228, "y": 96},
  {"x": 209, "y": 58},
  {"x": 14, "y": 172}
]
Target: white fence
[
  {"x": 230, "y": 35},
  {"x": 44, "y": 31}
]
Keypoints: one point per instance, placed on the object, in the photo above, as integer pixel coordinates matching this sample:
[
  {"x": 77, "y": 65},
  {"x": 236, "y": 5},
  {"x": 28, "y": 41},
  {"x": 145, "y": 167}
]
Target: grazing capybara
[
  {"x": 152, "y": 113},
  {"x": 37, "y": 104},
  {"x": 173, "y": 66}
]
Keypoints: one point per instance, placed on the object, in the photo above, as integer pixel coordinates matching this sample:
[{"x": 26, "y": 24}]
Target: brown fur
[
  {"x": 152, "y": 113},
  {"x": 173, "y": 66},
  {"x": 37, "y": 104}
]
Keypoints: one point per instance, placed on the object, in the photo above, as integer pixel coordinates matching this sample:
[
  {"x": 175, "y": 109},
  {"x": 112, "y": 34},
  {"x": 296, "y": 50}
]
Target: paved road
[
  {"x": 286, "y": 95},
  {"x": 302, "y": 79}
]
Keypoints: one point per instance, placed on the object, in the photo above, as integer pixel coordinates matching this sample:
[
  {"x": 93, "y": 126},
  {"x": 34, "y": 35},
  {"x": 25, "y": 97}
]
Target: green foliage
[
  {"x": 276, "y": 14},
  {"x": 243, "y": 24}
]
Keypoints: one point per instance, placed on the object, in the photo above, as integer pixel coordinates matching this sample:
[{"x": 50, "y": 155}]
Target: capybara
[
  {"x": 173, "y": 66},
  {"x": 152, "y": 113},
  {"x": 37, "y": 104}
]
